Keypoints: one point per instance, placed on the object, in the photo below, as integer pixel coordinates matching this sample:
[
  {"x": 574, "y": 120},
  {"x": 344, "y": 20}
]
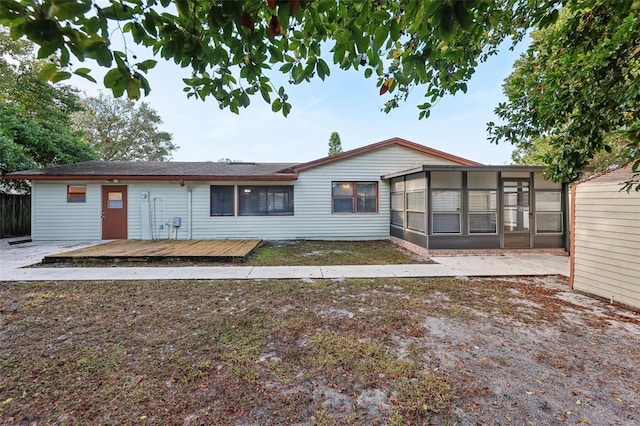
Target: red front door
[{"x": 114, "y": 212}]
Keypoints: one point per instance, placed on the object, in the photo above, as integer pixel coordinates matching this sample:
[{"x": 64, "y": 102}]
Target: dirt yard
[{"x": 316, "y": 352}]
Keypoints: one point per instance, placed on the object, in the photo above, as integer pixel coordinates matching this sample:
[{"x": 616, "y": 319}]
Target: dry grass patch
[{"x": 362, "y": 352}]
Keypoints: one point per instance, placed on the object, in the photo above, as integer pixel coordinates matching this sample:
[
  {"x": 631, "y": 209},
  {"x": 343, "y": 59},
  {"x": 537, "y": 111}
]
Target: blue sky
[{"x": 345, "y": 102}]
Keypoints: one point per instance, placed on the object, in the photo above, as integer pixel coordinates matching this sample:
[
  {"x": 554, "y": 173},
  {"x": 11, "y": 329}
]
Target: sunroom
[{"x": 441, "y": 207}]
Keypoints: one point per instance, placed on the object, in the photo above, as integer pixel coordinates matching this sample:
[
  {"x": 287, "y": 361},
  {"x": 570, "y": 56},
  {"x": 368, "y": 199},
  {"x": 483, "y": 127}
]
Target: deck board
[{"x": 145, "y": 250}]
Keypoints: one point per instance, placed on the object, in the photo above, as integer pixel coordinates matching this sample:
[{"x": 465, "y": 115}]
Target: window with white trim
[{"x": 76, "y": 193}]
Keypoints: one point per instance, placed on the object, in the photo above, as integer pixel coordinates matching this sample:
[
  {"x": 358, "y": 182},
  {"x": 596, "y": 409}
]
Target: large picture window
[
  {"x": 446, "y": 206},
  {"x": 354, "y": 197},
  {"x": 482, "y": 212},
  {"x": 222, "y": 200},
  {"x": 266, "y": 200},
  {"x": 76, "y": 193}
]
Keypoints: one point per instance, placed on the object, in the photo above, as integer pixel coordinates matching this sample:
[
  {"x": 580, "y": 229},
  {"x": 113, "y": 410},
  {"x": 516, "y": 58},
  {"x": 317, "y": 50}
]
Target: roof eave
[
  {"x": 382, "y": 144},
  {"x": 466, "y": 168},
  {"x": 278, "y": 177}
]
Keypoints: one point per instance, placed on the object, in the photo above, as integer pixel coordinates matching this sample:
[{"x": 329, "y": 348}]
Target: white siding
[
  {"x": 167, "y": 199},
  {"x": 53, "y": 219},
  {"x": 607, "y": 241},
  {"x": 312, "y": 217}
]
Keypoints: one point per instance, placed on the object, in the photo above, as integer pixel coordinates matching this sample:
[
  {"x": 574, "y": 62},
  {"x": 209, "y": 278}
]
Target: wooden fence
[{"x": 15, "y": 215}]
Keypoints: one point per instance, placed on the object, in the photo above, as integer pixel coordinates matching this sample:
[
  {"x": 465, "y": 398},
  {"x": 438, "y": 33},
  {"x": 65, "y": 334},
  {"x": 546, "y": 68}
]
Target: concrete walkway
[{"x": 13, "y": 259}]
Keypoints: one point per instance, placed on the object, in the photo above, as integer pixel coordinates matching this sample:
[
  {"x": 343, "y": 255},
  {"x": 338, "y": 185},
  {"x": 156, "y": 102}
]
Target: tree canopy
[
  {"x": 121, "y": 130},
  {"x": 575, "y": 94},
  {"x": 335, "y": 145},
  {"x": 35, "y": 128},
  {"x": 234, "y": 47}
]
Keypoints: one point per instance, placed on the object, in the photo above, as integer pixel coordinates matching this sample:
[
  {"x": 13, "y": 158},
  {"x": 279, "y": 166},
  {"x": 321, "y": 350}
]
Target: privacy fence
[{"x": 15, "y": 215}]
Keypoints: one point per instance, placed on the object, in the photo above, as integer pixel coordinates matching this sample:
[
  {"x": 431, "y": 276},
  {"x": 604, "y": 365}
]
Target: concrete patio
[{"x": 14, "y": 258}]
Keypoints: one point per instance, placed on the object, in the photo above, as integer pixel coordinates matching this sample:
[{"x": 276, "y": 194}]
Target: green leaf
[
  {"x": 324, "y": 5},
  {"x": 286, "y": 108},
  {"x": 265, "y": 95},
  {"x": 47, "y": 71},
  {"x": 380, "y": 15},
  {"x": 276, "y": 105},
  {"x": 149, "y": 23},
  {"x": 286, "y": 67},
  {"x": 112, "y": 78},
  {"x": 380, "y": 35},
  {"x": 324, "y": 66},
  {"x": 104, "y": 56},
  {"x": 133, "y": 89},
  {"x": 59, "y": 76},
  {"x": 146, "y": 65},
  {"x": 84, "y": 73}
]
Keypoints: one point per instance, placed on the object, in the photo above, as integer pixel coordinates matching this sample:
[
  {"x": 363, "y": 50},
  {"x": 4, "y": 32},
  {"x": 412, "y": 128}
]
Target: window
[
  {"x": 415, "y": 210},
  {"x": 515, "y": 202},
  {"x": 482, "y": 212},
  {"x": 549, "y": 212},
  {"x": 354, "y": 197},
  {"x": 114, "y": 200},
  {"x": 222, "y": 200},
  {"x": 446, "y": 206},
  {"x": 265, "y": 200},
  {"x": 76, "y": 193},
  {"x": 397, "y": 201}
]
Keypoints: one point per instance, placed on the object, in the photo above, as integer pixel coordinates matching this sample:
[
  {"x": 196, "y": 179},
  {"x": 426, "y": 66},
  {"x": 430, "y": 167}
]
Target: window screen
[
  {"x": 482, "y": 212},
  {"x": 549, "y": 212},
  {"x": 446, "y": 206},
  {"x": 222, "y": 200},
  {"x": 266, "y": 200}
]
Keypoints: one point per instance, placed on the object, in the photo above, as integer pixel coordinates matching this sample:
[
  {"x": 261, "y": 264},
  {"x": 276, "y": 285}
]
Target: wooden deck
[{"x": 159, "y": 250}]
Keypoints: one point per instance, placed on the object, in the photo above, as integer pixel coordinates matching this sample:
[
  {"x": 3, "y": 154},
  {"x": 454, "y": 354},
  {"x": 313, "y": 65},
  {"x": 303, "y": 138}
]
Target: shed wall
[{"x": 607, "y": 242}]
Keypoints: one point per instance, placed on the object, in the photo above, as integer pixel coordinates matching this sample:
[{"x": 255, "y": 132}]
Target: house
[
  {"x": 606, "y": 238},
  {"x": 394, "y": 188}
]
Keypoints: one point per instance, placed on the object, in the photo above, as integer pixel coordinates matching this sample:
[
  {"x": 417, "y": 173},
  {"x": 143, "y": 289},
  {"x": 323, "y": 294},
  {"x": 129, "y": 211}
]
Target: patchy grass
[
  {"x": 284, "y": 253},
  {"x": 318, "y": 253},
  {"x": 314, "y": 352}
]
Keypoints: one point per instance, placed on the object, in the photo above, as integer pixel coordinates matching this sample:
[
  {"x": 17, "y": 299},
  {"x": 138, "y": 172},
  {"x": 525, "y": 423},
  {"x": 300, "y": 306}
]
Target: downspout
[
  {"x": 33, "y": 211},
  {"x": 189, "y": 213}
]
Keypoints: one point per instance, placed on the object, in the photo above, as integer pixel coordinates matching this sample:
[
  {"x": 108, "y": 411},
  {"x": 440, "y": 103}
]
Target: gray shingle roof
[{"x": 207, "y": 169}]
